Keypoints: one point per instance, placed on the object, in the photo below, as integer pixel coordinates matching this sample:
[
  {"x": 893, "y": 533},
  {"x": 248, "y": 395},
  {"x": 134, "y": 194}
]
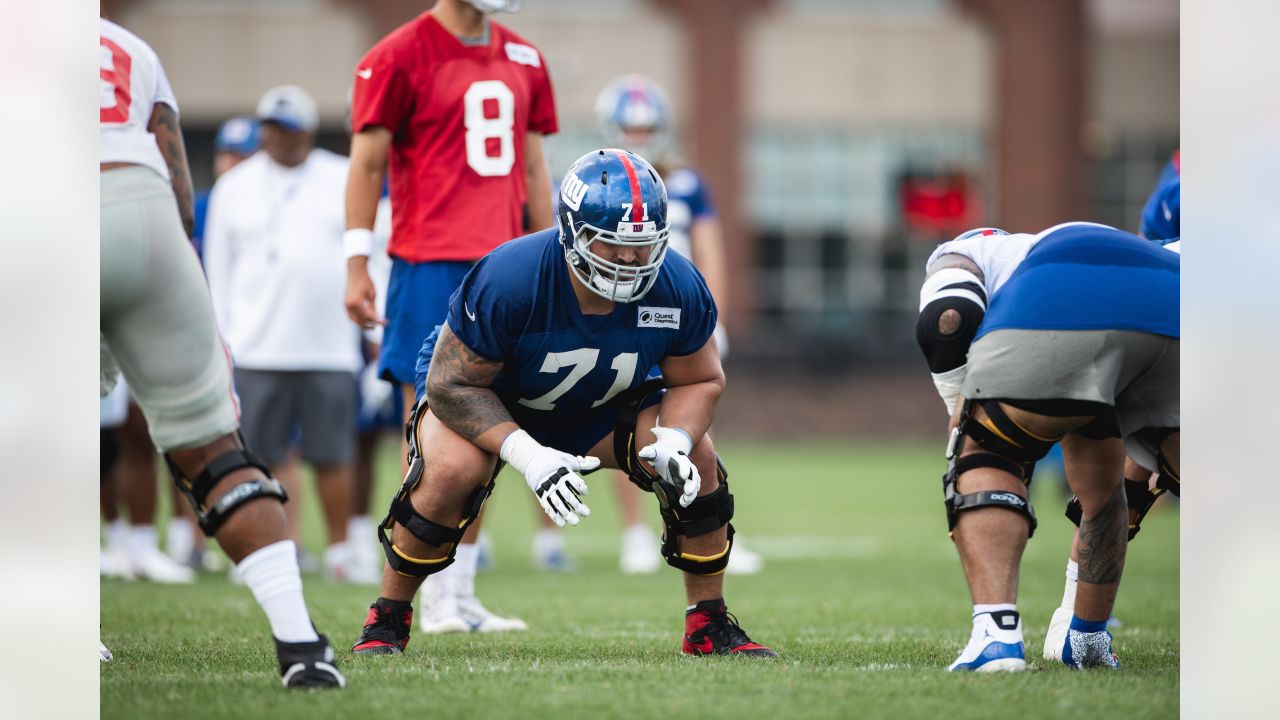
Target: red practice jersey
[{"x": 459, "y": 114}]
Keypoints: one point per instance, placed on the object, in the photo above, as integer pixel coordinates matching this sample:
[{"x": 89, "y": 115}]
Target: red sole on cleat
[{"x": 376, "y": 650}]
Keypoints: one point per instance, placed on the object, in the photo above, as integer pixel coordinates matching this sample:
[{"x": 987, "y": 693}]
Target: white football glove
[
  {"x": 553, "y": 476},
  {"x": 669, "y": 455}
]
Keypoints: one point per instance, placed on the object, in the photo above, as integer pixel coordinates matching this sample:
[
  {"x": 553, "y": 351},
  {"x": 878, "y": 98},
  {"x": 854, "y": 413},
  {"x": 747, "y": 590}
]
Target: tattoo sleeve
[
  {"x": 1103, "y": 539},
  {"x": 164, "y": 125},
  {"x": 458, "y": 388}
]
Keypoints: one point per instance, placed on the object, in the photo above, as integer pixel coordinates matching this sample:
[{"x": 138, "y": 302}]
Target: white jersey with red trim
[{"x": 131, "y": 82}]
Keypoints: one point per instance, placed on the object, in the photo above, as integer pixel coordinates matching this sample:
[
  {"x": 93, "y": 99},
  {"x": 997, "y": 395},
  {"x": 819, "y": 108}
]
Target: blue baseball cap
[
  {"x": 238, "y": 135},
  {"x": 290, "y": 107}
]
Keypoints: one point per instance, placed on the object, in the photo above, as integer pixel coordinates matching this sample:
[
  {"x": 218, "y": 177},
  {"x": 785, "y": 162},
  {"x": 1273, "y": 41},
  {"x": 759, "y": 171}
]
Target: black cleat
[
  {"x": 308, "y": 665},
  {"x": 709, "y": 629},
  {"x": 386, "y": 628}
]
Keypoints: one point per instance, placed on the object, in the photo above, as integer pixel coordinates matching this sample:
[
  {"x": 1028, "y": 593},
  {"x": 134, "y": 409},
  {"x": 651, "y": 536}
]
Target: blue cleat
[{"x": 995, "y": 645}]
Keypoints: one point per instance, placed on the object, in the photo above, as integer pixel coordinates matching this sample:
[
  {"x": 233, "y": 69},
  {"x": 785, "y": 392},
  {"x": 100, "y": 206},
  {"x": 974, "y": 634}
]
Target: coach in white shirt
[{"x": 273, "y": 255}]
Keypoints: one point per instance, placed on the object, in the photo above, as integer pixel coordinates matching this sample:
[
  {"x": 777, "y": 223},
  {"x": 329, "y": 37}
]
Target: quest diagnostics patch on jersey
[{"x": 658, "y": 317}]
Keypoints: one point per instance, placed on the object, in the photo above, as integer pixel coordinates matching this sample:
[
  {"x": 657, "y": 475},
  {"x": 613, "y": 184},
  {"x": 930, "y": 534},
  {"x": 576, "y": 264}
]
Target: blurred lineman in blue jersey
[
  {"x": 543, "y": 363},
  {"x": 635, "y": 113},
  {"x": 1078, "y": 346},
  {"x": 1162, "y": 215},
  {"x": 236, "y": 140}
]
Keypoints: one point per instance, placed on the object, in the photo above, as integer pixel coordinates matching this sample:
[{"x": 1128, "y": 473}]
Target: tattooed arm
[
  {"x": 459, "y": 394},
  {"x": 164, "y": 125}
]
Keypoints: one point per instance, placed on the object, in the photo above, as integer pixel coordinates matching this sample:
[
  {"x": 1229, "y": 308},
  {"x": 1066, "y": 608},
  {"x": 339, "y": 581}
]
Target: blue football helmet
[
  {"x": 238, "y": 135},
  {"x": 613, "y": 200},
  {"x": 634, "y": 113}
]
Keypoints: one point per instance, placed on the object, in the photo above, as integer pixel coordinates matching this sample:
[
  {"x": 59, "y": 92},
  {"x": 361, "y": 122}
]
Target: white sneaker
[
  {"x": 640, "y": 551},
  {"x": 343, "y": 564},
  {"x": 1057, "y": 633},
  {"x": 995, "y": 644},
  {"x": 744, "y": 562},
  {"x": 480, "y": 619},
  {"x": 104, "y": 655},
  {"x": 150, "y": 564},
  {"x": 440, "y": 612}
]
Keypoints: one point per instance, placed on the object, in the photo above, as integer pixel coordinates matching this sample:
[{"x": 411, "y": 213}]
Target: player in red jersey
[{"x": 453, "y": 106}]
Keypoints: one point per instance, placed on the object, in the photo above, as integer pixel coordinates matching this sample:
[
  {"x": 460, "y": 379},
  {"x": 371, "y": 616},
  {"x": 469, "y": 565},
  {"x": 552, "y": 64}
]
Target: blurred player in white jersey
[
  {"x": 158, "y": 331},
  {"x": 963, "y": 274},
  {"x": 634, "y": 113}
]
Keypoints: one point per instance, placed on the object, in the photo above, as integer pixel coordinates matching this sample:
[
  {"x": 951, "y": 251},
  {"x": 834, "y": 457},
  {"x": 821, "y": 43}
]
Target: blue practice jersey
[
  {"x": 1161, "y": 217},
  {"x": 560, "y": 367},
  {"x": 687, "y": 202},
  {"x": 1090, "y": 277}
]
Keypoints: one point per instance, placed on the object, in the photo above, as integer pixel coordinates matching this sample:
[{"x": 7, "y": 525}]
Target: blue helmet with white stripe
[{"x": 612, "y": 215}]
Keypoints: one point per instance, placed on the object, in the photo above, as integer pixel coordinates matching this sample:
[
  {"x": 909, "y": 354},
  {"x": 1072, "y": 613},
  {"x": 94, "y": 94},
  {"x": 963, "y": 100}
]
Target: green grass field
[{"x": 862, "y": 595}]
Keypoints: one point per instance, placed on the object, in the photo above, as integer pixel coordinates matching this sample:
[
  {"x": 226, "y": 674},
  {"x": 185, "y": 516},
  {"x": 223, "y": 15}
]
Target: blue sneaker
[
  {"x": 1088, "y": 645},
  {"x": 995, "y": 645}
]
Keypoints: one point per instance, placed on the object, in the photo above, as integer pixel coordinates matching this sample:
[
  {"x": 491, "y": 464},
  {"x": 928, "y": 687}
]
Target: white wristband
[
  {"x": 950, "y": 386},
  {"x": 518, "y": 450},
  {"x": 357, "y": 241},
  {"x": 682, "y": 443}
]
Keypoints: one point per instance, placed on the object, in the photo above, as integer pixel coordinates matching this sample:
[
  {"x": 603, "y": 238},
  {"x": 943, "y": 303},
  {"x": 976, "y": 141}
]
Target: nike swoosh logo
[
  {"x": 705, "y": 646},
  {"x": 470, "y": 315},
  {"x": 364, "y": 73},
  {"x": 1168, "y": 214}
]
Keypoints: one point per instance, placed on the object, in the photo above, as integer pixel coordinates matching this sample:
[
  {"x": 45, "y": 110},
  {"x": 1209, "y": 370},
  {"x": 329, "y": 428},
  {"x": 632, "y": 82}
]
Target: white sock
[
  {"x": 360, "y": 530},
  {"x": 995, "y": 607},
  {"x": 118, "y": 535},
  {"x": 1069, "y": 591},
  {"x": 460, "y": 576},
  {"x": 271, "y": 573},
  {"x": 547, "y": 541},
  {"x": 142, "y": 539},
  {"x": 180, "y": 539}
]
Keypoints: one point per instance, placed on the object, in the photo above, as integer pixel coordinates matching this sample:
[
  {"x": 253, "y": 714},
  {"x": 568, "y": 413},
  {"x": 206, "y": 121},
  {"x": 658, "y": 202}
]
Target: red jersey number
[
  {"x": 484, "y": 133},
  {"x": 114, "y": 68}
]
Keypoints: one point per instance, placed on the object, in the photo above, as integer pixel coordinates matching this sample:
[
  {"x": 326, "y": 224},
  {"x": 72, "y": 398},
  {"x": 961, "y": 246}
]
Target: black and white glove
[
  {"x": 553, "y": 476},
  {"x": 669, "y": 455}
]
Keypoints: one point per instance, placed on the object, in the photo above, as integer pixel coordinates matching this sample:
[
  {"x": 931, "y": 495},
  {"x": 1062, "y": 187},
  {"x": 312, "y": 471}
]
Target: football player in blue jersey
[
  {"x": 543, "y": 363},
  {"x": 634, "y": 113},
  {"x": 1046, "y": 363}
]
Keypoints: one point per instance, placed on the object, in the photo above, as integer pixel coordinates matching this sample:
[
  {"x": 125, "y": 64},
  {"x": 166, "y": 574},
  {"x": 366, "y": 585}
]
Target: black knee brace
[
  {"x": 1010, "y": 448},
  {"x": 1138, "y": 495},
  {"x": 212, "y": 518},
  {"x": 705, "y": 514},
  {"x": 1168, "y": 479},
  {"x": 429, "y": 532}
]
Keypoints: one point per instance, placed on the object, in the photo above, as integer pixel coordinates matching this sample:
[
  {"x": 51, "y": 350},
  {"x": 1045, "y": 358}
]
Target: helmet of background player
[
  {"x": 488, "y": 7},
  {"x": 612, "y": 200},
  {"x": 238, "y": 135},
  {"x": 978, "y": 231},
  {"x": 634, "y": 113}
]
